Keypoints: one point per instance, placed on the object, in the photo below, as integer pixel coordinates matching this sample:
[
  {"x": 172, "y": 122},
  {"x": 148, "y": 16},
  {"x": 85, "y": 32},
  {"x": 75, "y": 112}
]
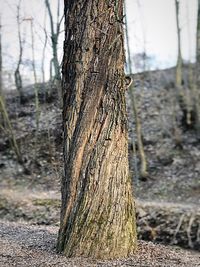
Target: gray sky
[
  {"x": 151, "y": 24},
  {"x": 29, "y": 9},
  {"x": 152, "y": 27}
]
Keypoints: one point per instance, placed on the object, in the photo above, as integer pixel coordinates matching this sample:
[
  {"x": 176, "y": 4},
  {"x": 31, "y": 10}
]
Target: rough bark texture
[{"x": 97, "y": 214}]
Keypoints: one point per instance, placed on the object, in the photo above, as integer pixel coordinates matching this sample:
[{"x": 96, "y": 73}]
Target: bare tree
[
  {"x": 18, "y": 78},
  {"x": 179, "y": 58},
  {"x": 188, "y": 96},
  {"x": 143, "y": 168},
  {"x": 97, "y": 213},
  {"x": 6, "y": 127},
  {"x": 1, "y": 75},
  {"x": 183, "y": 96},
  {"x": 44, "y": 50},
  {"x": 198, "y": 37},
  {"x": 197, "y": 74},
  {"x": 35, "y": 75},
  {"x": 34, "y": 71},
  {"x": 1, "y": 68},
  {"x": 55, "y": 32}
]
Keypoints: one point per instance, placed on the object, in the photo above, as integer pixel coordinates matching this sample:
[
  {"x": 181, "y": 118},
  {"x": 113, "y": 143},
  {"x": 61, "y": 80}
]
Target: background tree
[
  {"x": 7, "y": 128},
  {"x": 44, "y": 51},
  {"x": 198, "y": 37},
  {"x": 34, "y": 75},
  {"x": 1, "y": 68},
  {"x": 55, "y": 31},
  {"x": 143, "y": 168},
  {"x": 188, "y": 96},
  {"x": 184, "y": 95},
  {"x": 37, "y": 111},
  {"x": 179, "y": 58},
  {"x": 18, "y": 78},
  {"x": 197, "y": 74},
  {"x": 97, "y": 213}
]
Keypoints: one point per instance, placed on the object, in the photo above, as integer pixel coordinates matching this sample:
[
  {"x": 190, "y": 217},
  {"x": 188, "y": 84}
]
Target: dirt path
[
  {"x": 28, "y": 195},
  {"x": 165, "y": 222},
  {"x": 169, "y": 205}
]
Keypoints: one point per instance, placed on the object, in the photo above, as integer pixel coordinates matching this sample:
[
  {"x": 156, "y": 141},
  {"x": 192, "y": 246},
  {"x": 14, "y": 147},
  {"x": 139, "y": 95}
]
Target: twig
[
  {"x": 178, "y": 228},
  {"x": 198, "y": 234},
  {"x": 190, "y": 243}
]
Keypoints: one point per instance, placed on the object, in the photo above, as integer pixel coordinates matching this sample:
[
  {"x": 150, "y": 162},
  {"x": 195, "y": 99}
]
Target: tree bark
[{"x": 97, "y": 213}]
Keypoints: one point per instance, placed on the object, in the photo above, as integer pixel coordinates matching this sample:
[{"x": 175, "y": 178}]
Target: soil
[
  {"x": 167, "y": 201},
  {"x": 25, "y": 245},
  {"x": 172, "y": 151}
]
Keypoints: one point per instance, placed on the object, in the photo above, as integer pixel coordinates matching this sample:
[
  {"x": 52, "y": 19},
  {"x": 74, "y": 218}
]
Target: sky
[
  {"x": 151, "y": 27},
  {"x": 29, "y": 9}
]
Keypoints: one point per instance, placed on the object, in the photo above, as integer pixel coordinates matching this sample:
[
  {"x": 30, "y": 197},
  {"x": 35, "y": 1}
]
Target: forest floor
[
  {"x": 167, "y": 202},
  {"x": 25, "y": 245}
]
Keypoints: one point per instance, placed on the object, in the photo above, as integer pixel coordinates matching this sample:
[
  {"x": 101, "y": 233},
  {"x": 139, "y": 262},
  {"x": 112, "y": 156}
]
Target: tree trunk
[
  {"x": 44, "y": 51},
  {"x": 37, "y": 109},
  {"x": 97, "y": 213},
  {"x": 179, "y": 59},
  {"x": 54, "y": 38},
  {"x": 197, "y": 74},
  {"x": 18, "y": 78},
  {"x": 55, "y": 32},
  {"x": 138, "y": 128},
  {"x": 198, "y": 36},
  {"x": 1, "y": 63}
]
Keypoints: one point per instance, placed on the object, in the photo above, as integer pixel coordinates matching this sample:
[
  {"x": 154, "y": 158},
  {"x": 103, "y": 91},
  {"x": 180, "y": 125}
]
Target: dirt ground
[
  {"x": 167, "y": 202},
  {"x": 25, "y": 245},
  {"x": 173, "y": 153}
]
